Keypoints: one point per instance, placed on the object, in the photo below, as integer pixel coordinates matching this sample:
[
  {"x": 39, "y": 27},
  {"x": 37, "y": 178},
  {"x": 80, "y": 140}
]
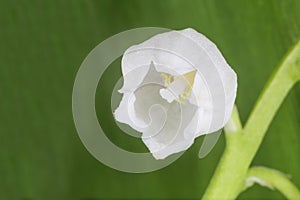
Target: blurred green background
[{"x": 42, "y": 46}]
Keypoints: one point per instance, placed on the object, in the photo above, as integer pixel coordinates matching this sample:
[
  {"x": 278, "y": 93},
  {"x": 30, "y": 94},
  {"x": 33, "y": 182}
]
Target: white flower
[{"x": 177, "y": 86}]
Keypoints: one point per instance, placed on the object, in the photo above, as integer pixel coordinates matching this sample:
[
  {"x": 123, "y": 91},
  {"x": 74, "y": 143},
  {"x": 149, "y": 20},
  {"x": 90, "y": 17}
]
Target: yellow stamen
[
  {"x": 188, "y": 77},
  {"x": 168, "y": 78}
]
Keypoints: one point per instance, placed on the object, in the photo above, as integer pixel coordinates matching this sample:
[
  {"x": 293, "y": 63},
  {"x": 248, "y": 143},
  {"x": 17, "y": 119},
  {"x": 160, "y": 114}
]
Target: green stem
[
  {"x": 281, "y": 82},
  {"x": 273, "y": 179},
  {"x": 242, "y": 145}
]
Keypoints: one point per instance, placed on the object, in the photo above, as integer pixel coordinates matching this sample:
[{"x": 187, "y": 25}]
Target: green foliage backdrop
[{"x": 42, "y": 44}]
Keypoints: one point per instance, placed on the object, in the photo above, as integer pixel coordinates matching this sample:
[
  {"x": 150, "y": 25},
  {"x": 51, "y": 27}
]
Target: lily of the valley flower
[{"x": 167, "y": 91}]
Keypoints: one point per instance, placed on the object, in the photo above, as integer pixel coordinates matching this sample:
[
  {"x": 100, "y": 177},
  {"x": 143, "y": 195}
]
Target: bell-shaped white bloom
[{"x": 177, "y": 86}]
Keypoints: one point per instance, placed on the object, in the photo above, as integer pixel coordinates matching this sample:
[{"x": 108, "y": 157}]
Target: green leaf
[{"x": 42, "y": 46}]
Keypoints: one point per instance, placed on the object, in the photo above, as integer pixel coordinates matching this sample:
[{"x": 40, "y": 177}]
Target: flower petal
[
  {"x": 133, "y": 108},
  {"x": 171, "y": 138},
  {"x": 227, "y": 75}
]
